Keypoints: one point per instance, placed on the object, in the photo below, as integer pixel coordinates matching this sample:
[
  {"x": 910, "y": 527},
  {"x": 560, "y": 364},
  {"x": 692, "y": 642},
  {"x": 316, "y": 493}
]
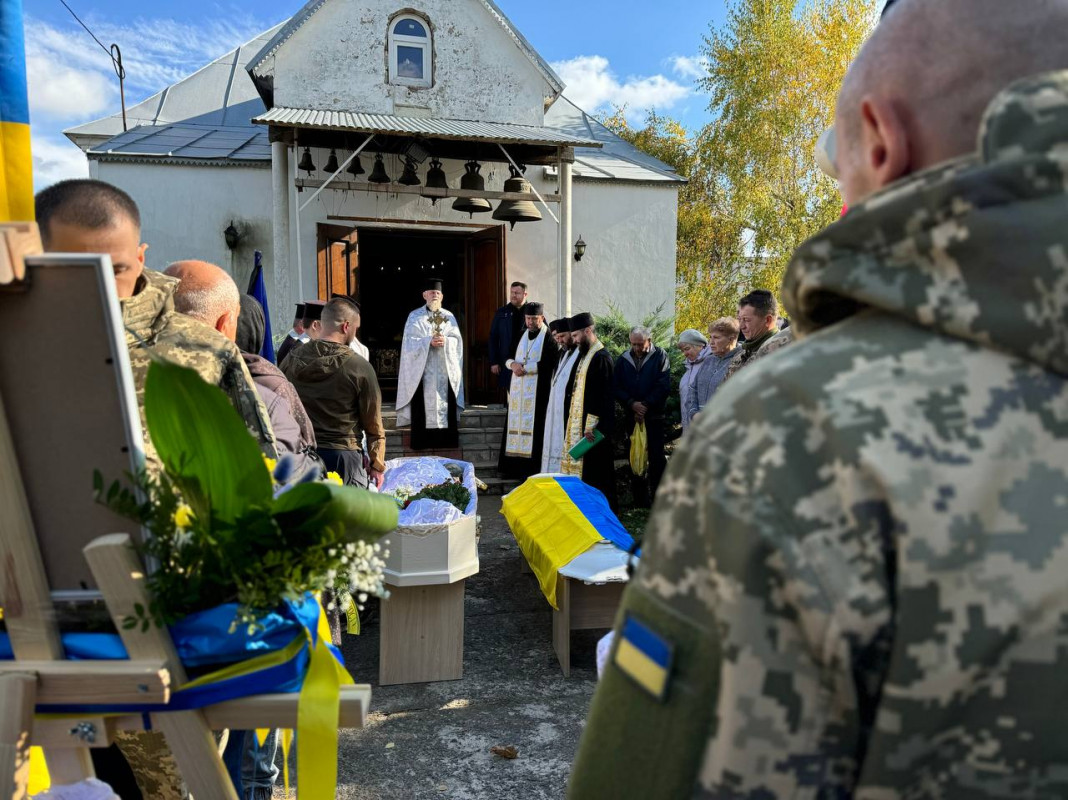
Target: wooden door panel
[{"x": 485, "y": 288}]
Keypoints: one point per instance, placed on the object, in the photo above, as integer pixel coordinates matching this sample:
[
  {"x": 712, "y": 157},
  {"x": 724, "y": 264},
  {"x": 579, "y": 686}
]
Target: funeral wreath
[{"x": 225, "y": 525}]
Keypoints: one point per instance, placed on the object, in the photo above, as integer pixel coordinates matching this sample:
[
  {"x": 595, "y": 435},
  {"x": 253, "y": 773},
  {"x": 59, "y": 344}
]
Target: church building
[{"x": 366, "y": 146}]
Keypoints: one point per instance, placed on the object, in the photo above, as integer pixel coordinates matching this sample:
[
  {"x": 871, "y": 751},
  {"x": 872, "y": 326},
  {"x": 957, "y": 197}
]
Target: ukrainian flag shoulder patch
[{"x": 644, "y": 656}]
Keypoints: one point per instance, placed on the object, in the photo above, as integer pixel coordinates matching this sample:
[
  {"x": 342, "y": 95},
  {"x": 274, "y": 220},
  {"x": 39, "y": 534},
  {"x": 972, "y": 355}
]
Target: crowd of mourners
[{"x": 852, "y": 584}]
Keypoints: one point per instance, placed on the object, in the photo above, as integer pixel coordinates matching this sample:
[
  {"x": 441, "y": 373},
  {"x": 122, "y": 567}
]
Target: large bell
[
  {"x": 355, "y": 167},
  {"x": 472, "y": 181},
  {"x": 408, "y": 176},
  {"x": 513, "y": 211},
  {"x": 435, "y": 179},
  {"x": 306, "y": 162},
  {"x": 378, "y": 174},
  {"x": 331, "y": 162}
]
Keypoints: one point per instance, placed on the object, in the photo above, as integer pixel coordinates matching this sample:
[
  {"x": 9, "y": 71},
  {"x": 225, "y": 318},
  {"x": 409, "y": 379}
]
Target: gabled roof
[
  {"x": 297, "y": 21},
  {"x": 219, "y": 94},
  {"x": 617, "y": 159}
]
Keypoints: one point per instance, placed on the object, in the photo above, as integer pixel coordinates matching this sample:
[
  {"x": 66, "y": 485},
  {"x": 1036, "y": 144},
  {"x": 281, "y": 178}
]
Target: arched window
[{"x": 410, "y": 53}]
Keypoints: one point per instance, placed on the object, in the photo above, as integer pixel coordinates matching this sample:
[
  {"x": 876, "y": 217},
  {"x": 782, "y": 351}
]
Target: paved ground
[{"x": 433, "y": 740}]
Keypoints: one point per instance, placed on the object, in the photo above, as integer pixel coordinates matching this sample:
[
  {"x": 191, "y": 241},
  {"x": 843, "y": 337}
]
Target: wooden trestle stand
[{"x": 39, "y": 675}]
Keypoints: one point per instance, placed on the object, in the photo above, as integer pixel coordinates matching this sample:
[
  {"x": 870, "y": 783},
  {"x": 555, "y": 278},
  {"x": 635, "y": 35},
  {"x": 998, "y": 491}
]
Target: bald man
[
  {"x": 208, "y": 294},
  {"x": 853, "y": 584}
]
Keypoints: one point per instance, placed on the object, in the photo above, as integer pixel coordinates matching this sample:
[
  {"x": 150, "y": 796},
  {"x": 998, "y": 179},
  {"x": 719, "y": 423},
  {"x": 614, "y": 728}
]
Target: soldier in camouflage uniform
[
  {"x": 855, "y": 579},
  {"x": 88, "y": 216}
]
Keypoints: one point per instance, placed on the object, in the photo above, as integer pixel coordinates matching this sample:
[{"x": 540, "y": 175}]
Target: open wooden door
[
  {"x": 339, "y": 261},
  {"x": 486, "y": 290}
]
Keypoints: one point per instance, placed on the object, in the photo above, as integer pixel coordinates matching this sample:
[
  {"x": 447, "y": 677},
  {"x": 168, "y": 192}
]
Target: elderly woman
[{"x": 694, "y": 347}]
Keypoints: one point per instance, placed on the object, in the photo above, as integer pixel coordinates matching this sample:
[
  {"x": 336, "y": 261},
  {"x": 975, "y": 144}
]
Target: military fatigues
[
  {"x": 858, "y": 558},
  {"x": 155, "y": 329},
  {"x": 749, "y": 351}
]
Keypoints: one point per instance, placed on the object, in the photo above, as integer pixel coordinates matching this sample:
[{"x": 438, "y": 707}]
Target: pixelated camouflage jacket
[
  {"x": 153, "y": 326},
  {"x": 860, "y": 553}
]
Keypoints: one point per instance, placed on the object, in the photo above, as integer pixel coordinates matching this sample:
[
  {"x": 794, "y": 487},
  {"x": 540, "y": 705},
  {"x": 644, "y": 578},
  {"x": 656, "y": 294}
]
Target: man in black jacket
[
  {"x": 642, "y": 385},
  {"x": 505, "y": 333}
]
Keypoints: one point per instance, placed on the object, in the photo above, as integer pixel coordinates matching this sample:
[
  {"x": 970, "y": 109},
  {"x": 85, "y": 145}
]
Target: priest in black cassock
[
  {"x": 532, "y": 365},
  {"x": 590, "y": 407}
]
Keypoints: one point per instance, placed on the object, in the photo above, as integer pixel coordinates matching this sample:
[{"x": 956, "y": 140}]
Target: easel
[{"x": 39, "y": 675}]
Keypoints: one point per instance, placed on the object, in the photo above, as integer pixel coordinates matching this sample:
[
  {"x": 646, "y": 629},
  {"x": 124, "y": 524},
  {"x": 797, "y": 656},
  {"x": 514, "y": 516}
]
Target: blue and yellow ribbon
[{"x": 16, "y": 161}]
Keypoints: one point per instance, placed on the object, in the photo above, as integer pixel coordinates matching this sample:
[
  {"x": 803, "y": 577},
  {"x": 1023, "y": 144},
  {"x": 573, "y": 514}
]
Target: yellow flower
[
  {"x": 271, "y": 464},
  {"x": 333, "y": 477},
  {"x": 183, "y": 516}
]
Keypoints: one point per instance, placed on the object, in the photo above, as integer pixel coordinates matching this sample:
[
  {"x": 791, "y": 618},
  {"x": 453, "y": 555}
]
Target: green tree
[
  {"x": 774, "y": 70},
  {"x": 754, "y": 192}
]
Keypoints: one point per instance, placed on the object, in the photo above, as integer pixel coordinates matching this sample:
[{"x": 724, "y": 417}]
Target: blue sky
[{"x": 609, "y": 52}]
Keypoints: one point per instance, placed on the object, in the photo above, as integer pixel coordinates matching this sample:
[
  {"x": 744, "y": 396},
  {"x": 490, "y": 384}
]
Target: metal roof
[
  {"x": 297, "y": 21},
  {"x": 219, "y": 94},
  {"x": 189, "y": 141},
  {"x": 430, "y": 127}
]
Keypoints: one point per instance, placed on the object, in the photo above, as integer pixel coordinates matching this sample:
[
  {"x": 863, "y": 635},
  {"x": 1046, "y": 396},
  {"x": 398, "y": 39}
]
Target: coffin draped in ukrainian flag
[{"x": 556, "y": 518}]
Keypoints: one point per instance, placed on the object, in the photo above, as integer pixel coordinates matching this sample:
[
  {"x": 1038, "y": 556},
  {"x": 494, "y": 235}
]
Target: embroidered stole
[
  {"x": 522, "y": 397},
  {"x": 577, "y": 421}
]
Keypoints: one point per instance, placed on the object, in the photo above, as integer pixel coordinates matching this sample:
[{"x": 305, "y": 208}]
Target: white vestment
[
  {"x": 360, "y": 349},
  {"x": 438, "y": 368},
  {"x": 300, "y": 337},
  {"x": 523, "y": 394},
  {"x": 552, "y": 451}
]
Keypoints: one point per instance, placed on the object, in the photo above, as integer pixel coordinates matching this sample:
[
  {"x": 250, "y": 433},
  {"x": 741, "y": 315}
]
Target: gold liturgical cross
[{"x": 438, "y": 319}]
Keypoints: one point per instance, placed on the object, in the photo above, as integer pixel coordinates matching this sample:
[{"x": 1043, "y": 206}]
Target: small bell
[
  {"x": 331, "y": 162},
  {"x": 472, "y": 181},
  {"x": 378, "y": 173},
  {"x": 513, "y": 211},
  {"x": 306, "y": 162},
  {"x": 408, "y": 176},
  {"x": 355, "y": 167},
  {"x": 435, "y": 179}
]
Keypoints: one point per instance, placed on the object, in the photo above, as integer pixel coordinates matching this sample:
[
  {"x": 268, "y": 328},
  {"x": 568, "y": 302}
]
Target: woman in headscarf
[{"x": 694, "y": 347}]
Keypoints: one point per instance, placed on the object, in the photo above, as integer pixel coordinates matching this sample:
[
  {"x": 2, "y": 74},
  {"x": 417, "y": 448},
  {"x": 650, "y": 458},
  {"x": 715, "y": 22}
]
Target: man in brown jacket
[{"x": 340, "y": 392}]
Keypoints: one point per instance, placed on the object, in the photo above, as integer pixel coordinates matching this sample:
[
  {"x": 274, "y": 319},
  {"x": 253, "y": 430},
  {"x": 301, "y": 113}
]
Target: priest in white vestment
[
  {"x": 552, "y": 452},
  {"x": 532, "y": 367},
  {"x": 430, "y": 392}
]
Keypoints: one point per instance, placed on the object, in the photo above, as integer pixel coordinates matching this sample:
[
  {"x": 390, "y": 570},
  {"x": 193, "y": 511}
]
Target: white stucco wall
[
  {"x": 184, "y": 211},
  {"x": 338, "y": 61},
  {"x": 629, "y": 229}
]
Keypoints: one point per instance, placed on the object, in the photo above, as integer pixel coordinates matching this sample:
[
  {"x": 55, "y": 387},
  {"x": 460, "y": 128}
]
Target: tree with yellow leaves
[{"x": 754, "y": 192}]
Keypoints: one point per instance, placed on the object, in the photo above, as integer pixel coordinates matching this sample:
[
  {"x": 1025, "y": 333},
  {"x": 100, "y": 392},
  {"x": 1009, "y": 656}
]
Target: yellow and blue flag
[
  {"x": 16, "y": 162},
  {"x": 644, "y": 656}
]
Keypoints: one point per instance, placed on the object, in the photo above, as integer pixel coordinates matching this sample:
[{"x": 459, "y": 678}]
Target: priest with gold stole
[
  {"x": 590, "y": 406},
  {"x": 430, "y": 392},
  {"x": 532, "y": 370}
]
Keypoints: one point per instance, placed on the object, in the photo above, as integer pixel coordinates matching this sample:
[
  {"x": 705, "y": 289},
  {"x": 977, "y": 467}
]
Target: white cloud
[
  {"x": 56, "y": 160},
  {"x": 691, "y": 67},
  {"x": 71, "y": 79},
  {"x": 594, "y": 87},
  {"x": 58, "y": 90}
]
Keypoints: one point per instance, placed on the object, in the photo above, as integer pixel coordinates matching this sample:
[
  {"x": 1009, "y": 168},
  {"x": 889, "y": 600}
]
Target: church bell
[
  {"x": 306, "y": 162},
  {"x": 435, "y": 178},
  {"x": 408, "y": 176},
  {"x": 513, "y": 211},
  {"x": 472, "y": 181},
  {"x": 355, "y": 167},
  {"x": 331, "y": 162},
  {"x": 378, "y": 174}
]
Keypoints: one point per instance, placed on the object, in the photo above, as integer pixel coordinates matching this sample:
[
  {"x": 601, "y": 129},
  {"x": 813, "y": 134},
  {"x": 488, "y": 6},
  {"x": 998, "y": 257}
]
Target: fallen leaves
[{"x": 511, "y": 751}]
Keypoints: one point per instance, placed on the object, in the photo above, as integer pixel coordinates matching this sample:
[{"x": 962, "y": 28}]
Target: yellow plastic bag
[{"x": 639, "y": 450}]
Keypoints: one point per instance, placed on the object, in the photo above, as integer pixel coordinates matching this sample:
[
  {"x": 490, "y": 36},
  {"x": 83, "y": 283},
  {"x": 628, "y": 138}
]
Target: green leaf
[
  {"x": 203, "y": 443},
  {"x": 139, "y": 609},
  {"x": 358, "y": 513},
  {"x": 128, "y": 623}
]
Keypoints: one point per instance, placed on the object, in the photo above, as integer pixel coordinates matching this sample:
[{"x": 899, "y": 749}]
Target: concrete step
[{"x": 471, "y": 417}]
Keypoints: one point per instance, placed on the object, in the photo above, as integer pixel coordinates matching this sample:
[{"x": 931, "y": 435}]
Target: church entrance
[{"x": 385, "y": 269}]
